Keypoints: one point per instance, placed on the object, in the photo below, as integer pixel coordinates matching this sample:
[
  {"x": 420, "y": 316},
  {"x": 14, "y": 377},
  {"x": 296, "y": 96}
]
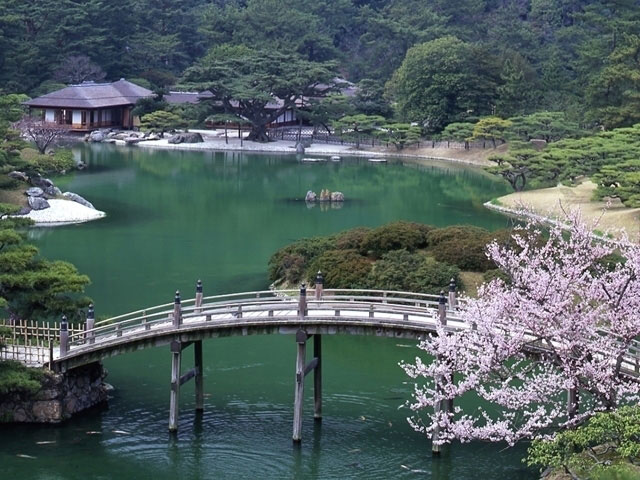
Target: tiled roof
[{"x": 93, "y": 95}]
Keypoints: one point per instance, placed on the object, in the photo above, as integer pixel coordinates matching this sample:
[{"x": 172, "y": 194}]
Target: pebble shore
[{"x": 63, "y": 212}]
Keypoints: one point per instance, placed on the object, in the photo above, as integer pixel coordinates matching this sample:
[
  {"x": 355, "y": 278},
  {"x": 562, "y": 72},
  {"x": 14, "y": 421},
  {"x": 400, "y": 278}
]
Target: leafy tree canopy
[
  {"x": 444, "y": 81},
  {"x": 258, "y": 85}
]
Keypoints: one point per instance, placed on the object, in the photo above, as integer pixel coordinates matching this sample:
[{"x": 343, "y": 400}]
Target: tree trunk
[{"x": 258, "y": 133}]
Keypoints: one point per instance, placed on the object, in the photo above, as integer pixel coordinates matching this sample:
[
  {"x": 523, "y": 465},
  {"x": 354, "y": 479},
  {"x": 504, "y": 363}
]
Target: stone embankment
[{"x": 61, "y": 396}]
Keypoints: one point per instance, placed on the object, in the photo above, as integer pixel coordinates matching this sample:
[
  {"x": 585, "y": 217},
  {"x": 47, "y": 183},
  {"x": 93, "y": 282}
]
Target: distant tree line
[{"x": 433, "y": 63}]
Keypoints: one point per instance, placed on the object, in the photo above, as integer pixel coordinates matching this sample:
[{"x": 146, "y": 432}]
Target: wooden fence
[
  {"x": 35, "y": 334},
  {"x": 31, "y": 342},
  {"x": 309, "y": 133}
]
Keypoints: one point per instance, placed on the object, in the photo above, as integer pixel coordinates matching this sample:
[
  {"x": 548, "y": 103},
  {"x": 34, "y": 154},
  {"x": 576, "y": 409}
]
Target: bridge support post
[
  {"x": 89, "y": 324},
  {"x": 301, "y": 341},
  {"x": 64, "y": 336},
  {"x": 572, "y": 402},
  {"x": 452, "y": 294},
  {"x": 302, "y": 301},
  {"x": 197, "y": 353},
  {"x": 198, "y": 296},
  {"x": 317, "y": 378},
  {"x": 177, "y": 310},
  {"x": 176, "y": 357},
  {"x": 319, "y": 285}
]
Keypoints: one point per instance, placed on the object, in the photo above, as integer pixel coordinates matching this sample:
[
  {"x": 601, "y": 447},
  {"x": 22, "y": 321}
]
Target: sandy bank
[
  {"x": 548, "y": 202},
  {"x": 63, "y": 212}
]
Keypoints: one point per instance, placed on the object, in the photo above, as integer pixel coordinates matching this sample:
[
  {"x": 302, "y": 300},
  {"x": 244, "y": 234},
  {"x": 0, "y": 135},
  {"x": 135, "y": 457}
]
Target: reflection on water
[{"x": 174, "y": 217}]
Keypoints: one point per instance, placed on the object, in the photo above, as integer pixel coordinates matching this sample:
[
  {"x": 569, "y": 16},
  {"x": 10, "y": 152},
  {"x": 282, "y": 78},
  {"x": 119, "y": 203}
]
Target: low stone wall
[{"x": 61, "y": 396}]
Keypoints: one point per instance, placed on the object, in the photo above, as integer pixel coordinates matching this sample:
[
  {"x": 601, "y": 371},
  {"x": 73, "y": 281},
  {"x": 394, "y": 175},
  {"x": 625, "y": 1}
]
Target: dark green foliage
[
  {"x": 411, "y": 272},
  {"x": 464, "y": 246},
  {"x": 395, "y": 236},
  {"x": 610, "y": 158},
  {"x": 605, "y": 447},
  {"x": 341, "y": 268},
  {"x": 442, "y": 81},
  {"x": 502, "y": 58},
  {"x": 35, "y": 162},
  {"x": 351, "y": 239},
  {"x": 400, "y": 256},
  {"x": 291, "y": 262},
  {"x": 16, "y": 378},
  {"x": 162, "y": 121},
  {"x": 148, "y": 105}
]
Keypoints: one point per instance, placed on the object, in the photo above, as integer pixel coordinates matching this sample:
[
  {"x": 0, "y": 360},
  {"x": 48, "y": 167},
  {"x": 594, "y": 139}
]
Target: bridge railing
[
  {"x": 284, "y": 302},
  {"x": 270, "y": 305}
]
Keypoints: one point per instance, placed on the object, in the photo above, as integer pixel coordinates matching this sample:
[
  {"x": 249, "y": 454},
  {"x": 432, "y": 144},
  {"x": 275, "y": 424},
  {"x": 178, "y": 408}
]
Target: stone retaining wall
[{"x": 61, "y": 396}]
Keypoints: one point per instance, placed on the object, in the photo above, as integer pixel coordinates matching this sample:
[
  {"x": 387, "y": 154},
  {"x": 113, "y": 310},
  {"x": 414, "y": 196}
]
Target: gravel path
[{"x": 64, "y": 212}]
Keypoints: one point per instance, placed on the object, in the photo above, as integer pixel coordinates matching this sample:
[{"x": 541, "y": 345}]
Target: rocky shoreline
[
  {"x": 48, "y": 205},
  {"x": 61, "y": 395}
]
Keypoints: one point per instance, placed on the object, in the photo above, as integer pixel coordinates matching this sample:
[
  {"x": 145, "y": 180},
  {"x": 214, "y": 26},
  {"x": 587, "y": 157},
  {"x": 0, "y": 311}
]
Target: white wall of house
[
  {"x": 106, "y": 115},
  {"x": 49, "y": 115},
  {"x": 288, "y": 116},
  {"x": 76, "y": 119}
]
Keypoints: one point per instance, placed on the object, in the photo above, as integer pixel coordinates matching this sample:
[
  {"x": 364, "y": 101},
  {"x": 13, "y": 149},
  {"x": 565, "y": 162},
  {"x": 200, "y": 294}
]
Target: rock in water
[
  {"x": 337, "y": 197},
  {"x": 34, "y": 192},
  {"x": 188, "y": 137},
  {"x": 325, "y": 195},
  {"x": 96, "y": 136},
  {"x": 299, "y": 148},
  {"x": 38, "y": 203},
  {"x": 310, "y": 196},
  {"x": 78, "y": 199}
]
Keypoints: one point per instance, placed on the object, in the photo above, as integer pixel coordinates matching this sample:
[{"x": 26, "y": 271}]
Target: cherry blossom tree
[{"x": 541, "y": 350}]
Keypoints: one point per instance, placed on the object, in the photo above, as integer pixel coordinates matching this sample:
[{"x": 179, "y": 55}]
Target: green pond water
[{"x": 175, "y": 217}]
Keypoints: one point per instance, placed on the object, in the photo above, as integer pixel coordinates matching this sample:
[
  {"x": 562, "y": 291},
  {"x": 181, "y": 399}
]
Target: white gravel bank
[{"x": 62, "y": 212}]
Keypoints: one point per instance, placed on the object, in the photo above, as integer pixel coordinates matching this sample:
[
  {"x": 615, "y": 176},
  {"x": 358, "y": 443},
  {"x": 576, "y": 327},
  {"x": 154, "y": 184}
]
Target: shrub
[
  {"x": 464, "y": 246},
  {"x": 351, "y": 239},
  {"x": 403, "y": 270},
  {"x": 395, "y": 236},
  {"x": 341, "y": 269},
  {"x": 296, "y": 257},
  {"x": 60, "y": 161},
  {"x": 15, "y": 377}
]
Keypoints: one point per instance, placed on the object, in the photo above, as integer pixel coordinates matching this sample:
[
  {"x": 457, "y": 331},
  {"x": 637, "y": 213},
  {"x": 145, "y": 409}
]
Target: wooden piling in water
[
  {"x": 572, "y": 402},
  {"x": 176, "y": 357},
  {"x": 301, "y": 342},
  {"x": 197, "y": 354},
  {"x": 317, "y": 377}
]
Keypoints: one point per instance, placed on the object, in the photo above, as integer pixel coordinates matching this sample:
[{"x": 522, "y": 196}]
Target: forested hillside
[{"x": 520, "y": 56}]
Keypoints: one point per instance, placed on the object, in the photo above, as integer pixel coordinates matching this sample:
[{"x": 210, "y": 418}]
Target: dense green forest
[{"x": 438, "y": 59}]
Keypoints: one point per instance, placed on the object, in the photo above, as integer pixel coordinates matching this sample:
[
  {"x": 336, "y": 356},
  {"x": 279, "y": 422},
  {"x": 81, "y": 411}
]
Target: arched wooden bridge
[{"x": 322, "y": 312}]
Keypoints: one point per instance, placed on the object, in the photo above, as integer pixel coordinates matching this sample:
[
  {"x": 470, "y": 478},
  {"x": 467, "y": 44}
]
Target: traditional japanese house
[{"x": 91, "y": 105}]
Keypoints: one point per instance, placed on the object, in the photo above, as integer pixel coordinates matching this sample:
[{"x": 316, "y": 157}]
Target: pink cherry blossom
[{"x": 566, "y": 319}]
